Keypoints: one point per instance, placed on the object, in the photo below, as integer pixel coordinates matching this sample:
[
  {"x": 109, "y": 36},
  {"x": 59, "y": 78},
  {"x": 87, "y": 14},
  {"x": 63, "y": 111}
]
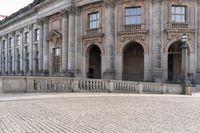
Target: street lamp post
[{"x": 184, "y": 77}]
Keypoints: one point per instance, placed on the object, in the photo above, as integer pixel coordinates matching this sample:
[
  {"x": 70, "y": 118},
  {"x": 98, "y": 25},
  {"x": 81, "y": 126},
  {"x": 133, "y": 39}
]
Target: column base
[
  {"x": 45, "y": 73},
  {"x": 73, "y": 73},
  {"x": 157, "y": 75},
  {"x": 109, "y": 74}
]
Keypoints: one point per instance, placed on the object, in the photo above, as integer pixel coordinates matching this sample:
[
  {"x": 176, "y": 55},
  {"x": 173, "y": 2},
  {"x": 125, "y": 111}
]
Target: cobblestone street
[{"x": 98, "y": 112}]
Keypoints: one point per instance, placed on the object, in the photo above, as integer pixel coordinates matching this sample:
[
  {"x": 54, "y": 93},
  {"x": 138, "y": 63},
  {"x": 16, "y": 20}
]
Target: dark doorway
[
  {"x": 133, "y": 62},
  {"x": 94, "y": 63},
  {"x": 174, "y": 62}
]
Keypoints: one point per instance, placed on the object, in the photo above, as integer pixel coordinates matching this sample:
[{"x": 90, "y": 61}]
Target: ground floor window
[{"x": 56, "y": 60}]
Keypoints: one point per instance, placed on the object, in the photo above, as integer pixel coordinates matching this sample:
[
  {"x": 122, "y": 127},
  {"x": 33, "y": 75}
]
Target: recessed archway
[
  {"x": 133, "y": 62},
  {"x": 174, "y": 62},
  {"x": 94, "y": 62}
]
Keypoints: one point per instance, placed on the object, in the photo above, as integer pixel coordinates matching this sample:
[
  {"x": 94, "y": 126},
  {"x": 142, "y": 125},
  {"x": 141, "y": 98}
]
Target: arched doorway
[
  {"x": 174, "y": 62},
  {"x": 133, "y": 62},
  {"x": 94, "y": 70}
]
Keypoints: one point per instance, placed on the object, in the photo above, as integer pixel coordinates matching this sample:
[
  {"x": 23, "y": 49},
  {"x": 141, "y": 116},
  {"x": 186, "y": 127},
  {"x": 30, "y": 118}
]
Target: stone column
[
  {"x": 45, "y": 46},
  {"x": 6, "y": 54},
  {"x": 13, "y": 55},
  {"x": 22, "y": 68},
  {"x": 71, "y": 41},
  {"x": 1, "y": 55},
  {"x": 64, "y": 40},
  {"x": 31, "y": 49},
  {"x": 109, "y": 39},
  {"x": 40, "y": 44},
  {"x": 156, "y": 40},
  {"x": 198, "y": 43}
]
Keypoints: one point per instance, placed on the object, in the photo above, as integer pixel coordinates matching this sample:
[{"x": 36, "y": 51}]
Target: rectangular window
[
  {"x": 3, "y": 61},
  {"x": 93, "y": 20},
  {"x": 27, "y": 37},
  {"x": 11, "y": 42},
  {"x": 10, "y": 61},
  {"x": 178, "y": 14},
  {"x": 18, "y": 40},
  {"x": 18, "y": 60},
  {"x": 36, "y": 35},
  {"x": 56, "y": 60},
  {"x": 4, "y": 45},
  {"x": 36, "y": 59},
  {"x": 133, "y": 15}
]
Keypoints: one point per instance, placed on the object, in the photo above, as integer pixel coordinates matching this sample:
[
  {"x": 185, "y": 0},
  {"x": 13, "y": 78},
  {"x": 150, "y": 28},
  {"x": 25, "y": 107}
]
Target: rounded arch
[
  {"x": 127, "y": 43},
  {"x": 89, "y": 46},
  {"x": 133, "y": 62},
  {"x": 166, "y": 48}
]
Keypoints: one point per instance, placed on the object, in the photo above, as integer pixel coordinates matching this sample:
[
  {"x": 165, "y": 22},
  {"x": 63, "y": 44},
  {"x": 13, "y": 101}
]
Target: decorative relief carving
[
  {"x": 73, "y": 10},
  {"x": 156, "y": 1},
  {"x": 93, "y": 39},
  {"x": 109, "y": 3},
  {"x": 64, "y": 13},
  {"x": 55, "y": 37},
  {"x": 175, "y": 34}
]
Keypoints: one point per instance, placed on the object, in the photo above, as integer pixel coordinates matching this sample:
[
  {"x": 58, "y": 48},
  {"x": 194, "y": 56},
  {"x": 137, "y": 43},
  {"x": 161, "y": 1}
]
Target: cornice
[{"x": 21, "y": 14}]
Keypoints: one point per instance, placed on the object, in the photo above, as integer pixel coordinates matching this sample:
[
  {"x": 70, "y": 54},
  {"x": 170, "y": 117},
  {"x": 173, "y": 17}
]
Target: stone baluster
[
  {"x": 109, "y": 38},
  {"x": 45, "y": 46},
  {"x": 64, "y": 40}
]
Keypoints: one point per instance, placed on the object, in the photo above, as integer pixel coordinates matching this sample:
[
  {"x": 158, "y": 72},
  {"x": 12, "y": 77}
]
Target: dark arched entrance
[
  {"x": 174, "y": 62},
  {"x": 133, "y": 62},
  {"x": 94, "y": 62}
]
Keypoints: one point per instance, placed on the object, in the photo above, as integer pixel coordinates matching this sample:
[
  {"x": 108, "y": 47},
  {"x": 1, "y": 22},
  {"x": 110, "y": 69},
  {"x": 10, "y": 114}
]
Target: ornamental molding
[
  {"x": 131, "y": 36},
  {"x": 175, "y": 34},
  {"x": 156, "y": 1},
  {"x": 55, "y": 37},
  {"x": 93, "y": 39},
  {"x": 110, "y": 3},
  {"x": 73, "y": 10}
]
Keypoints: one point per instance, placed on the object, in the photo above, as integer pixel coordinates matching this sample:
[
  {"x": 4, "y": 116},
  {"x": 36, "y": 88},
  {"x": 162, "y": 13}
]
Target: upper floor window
[
  {"x": 133, "y": 15},
  {"x": 18, "y": 40},
  {"x": 93, "y": 20},
  {"x": 178, "y": 14},
  {"x": 36, "y": 35},
  {"x": 27, "y": 37},
  {"x": 11, "y": 42},
  {"x": 4, "y": 44}
]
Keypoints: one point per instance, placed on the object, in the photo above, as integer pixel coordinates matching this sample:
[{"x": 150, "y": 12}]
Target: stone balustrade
[{"x": 63, "y": 84}]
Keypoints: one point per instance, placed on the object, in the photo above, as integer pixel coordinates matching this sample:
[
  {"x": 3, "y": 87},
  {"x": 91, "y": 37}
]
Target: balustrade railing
[{"x": 54, "y": 84}]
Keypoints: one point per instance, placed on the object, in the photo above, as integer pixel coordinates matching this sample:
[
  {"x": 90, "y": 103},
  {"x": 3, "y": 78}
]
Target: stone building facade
[{"x": 110, "y": 39}]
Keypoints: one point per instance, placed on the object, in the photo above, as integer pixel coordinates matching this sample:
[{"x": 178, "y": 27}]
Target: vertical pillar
[
  {"x": 6, "y": 54},
  {"x": 157, "y": 73},
  {"x": 13, "y": 54},
  {"x": 109, "y": 39},
  {"x": 71, "y": 41},
  {"x": 64, "y": 40},
  {"x": 198, "y": 43},
  {"x": 22, "y": 69},
  {"x": 31, "y": 49},
  {"x": 40, "y": 44},
  {"x": 45, "y": 46},
  {"x": 1, "y": 55}
]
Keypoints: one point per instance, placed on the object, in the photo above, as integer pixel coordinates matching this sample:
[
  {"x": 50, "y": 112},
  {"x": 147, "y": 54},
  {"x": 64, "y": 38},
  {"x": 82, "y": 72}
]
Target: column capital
[
  {"x": 13, "y": 33},
  {"x": 73, "y": 10},
  {"x": 5, "y": 36},
  {"x": 30, "y": 27},
  {"x": 64, "y": 13},
  {"x": 110, "y": 3},
  {"x": 156, "y": 1}
]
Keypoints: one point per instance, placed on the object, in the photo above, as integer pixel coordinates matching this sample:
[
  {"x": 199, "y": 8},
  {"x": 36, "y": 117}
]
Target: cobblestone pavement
[{"x": 99, "y": 113}]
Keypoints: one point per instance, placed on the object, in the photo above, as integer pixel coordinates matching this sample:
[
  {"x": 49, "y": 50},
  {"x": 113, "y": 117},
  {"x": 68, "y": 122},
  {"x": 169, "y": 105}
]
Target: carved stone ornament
[
  {"x": 73, "y": 10},
  {"x": 156, "y": 1},
  {"x": 110, "y": 3},
  {"x": 93, "y": 39},
  {"x": 55, "y": 37},
  {"x": 64, "y": 13}
]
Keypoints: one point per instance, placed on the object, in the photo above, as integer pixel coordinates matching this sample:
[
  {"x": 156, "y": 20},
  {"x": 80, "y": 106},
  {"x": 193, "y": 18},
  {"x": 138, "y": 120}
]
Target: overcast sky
[{"x": 7, "y": 7}]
